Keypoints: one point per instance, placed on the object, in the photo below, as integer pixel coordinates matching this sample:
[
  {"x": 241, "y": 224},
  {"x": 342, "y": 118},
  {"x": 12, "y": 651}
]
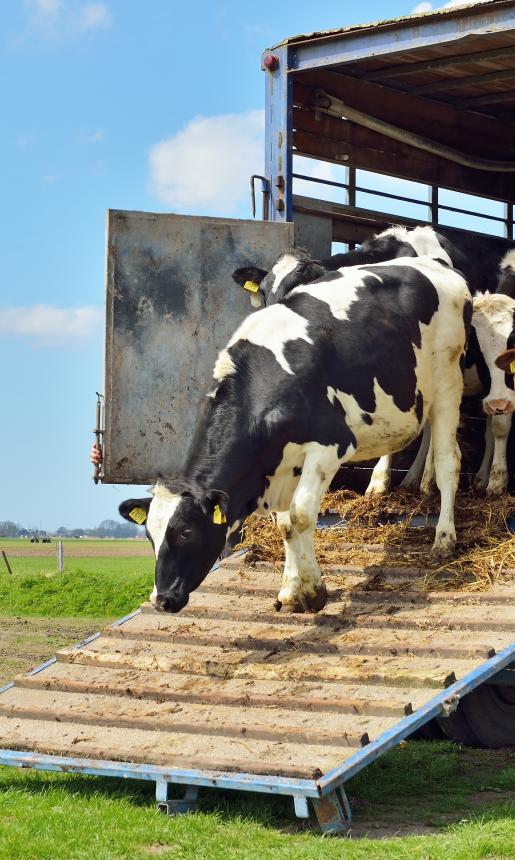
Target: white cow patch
[
  {"x": 273, "y": 327},
  {"x": 162, "y": 507},
  {"x": 423, "y": 240},
  {"x": 285, "y": 266},
  {"x": 224, "y": 366},
  {"x": 283, "y": 483},
  {"x": 391, "y": 429},
  {"x": 508, "y": 261}
]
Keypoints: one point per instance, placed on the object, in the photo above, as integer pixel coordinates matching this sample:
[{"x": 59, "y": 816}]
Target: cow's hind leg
[
  {"x": 302, "y": 588},
  {"x": 381, "y": 476},
  {"x": 413, "y": 477},
  {"x": 447, "y": 457}
]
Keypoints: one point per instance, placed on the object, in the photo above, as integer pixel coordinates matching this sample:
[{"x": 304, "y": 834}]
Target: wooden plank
[
  {"x": 235, "y": 633},
  {"x": 348, "y": 143},
  {"x": 470, "y": 132},
  {"x": 402, "y": 670},
  {"x": 392, "y": 611},
  {"x": 272, "y": 723},
  {"x": 314, "y": 696},
  {"x": 440, "y": 63},
  {"x": 168, "y": 749}
]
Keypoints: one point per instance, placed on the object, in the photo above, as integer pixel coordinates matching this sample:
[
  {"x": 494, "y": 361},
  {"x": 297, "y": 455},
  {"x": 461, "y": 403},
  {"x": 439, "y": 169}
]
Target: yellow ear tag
[
  {"x": 251, "y": 286},
  {"x": 512, "y": 367},
  {"x": 219, "y": 518},
  {"x": 138, "y": 515}
]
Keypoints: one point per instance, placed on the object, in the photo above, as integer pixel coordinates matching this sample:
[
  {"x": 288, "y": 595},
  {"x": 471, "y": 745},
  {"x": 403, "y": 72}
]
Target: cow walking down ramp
[{"x": 344, "y": 369}]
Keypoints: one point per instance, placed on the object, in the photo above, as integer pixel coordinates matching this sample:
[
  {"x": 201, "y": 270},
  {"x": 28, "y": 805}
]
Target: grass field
[{"x": 426, "y": 801}]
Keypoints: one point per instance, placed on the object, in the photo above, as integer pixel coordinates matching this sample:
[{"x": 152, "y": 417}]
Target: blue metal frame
[{"x": 278, "y": 131}]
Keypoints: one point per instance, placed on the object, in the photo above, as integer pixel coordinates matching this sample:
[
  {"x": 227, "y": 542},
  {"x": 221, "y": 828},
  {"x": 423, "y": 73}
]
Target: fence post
[
  {"x": 60, "y": 556},
  {"x": 8, "y": 566}
]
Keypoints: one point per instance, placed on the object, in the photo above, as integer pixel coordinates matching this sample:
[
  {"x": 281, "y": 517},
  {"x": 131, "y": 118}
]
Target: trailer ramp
[{"x": 231, "y": 694}]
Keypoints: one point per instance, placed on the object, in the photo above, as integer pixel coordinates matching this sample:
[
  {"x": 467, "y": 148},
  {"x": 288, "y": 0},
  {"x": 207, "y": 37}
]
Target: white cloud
[
  {"x": 49, "y": 177},
  {"x": 47, "y": 325},
  {"x": 58, "y": 20},
  {"x": 92, "y": 15},
  {"x": 428, "y": 7},
  {"x": 206, "y": 166}
]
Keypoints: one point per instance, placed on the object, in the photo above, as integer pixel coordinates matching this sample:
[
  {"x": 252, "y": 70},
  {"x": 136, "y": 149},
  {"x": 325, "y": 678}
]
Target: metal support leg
[
  {"x": 301, "y": 806},
  {"x": 333, "y": 812},
  {"x": 178, "y": 806}
]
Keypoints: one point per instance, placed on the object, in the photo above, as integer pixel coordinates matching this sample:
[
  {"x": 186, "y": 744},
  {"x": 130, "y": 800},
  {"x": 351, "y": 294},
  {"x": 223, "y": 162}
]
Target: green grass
[
  {"x": 95, "y": 587},
  {"x": 73, "y": 817}
]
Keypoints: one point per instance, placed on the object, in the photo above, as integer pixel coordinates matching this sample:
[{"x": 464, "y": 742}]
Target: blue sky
[{"x": 127, "y": 104}]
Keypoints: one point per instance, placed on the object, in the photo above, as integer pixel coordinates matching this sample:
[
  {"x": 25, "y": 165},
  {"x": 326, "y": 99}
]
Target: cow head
[
  {"x": 493, "y": 322},
  {"x": 187, "y": 527},
  {"x": 293, "y": 268}
]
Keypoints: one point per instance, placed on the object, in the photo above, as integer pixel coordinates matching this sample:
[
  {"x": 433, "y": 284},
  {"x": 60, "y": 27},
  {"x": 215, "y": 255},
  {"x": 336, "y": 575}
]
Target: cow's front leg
[
  {"x": 498, "y": 480},
  {"x": 302, "y": 587},
  {"x": 380, "y": 478},
  {"x": 447, "y": 457}
]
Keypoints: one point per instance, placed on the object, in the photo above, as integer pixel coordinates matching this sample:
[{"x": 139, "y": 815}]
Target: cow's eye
[{"x": 185, "y": 533}]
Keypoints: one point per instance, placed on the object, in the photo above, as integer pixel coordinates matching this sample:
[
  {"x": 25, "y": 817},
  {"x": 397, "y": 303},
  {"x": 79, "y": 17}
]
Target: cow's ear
[
  {"x": 215, "y": 504},
  {"x": 249, "y": 275},
  {"x": 135, "y": 510},
  {"x": 506, "y": 361}
]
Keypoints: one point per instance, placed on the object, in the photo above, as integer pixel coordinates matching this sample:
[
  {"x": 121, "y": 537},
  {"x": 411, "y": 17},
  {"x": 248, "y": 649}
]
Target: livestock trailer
[{"x": 229, "y": 694}]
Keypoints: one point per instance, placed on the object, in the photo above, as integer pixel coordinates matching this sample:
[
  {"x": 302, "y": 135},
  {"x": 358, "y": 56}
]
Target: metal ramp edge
[{"x": 326, "y": 792}]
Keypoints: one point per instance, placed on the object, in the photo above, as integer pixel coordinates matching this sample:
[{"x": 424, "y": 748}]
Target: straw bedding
[{"x": 485, "y": 551}]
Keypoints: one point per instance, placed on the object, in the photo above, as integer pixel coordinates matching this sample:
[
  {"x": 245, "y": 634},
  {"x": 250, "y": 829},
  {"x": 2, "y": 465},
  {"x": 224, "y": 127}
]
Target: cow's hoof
[
  {"x": 317, "y": 601},
  {"x": 304, "y": 602},
  {"x": 443, "y": 552}
]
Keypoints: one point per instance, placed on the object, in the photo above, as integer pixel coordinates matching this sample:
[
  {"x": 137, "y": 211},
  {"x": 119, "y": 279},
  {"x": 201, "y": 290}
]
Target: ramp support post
[
  {"x": 333, "y": 811},
  {"x": 175, "y": 806}
]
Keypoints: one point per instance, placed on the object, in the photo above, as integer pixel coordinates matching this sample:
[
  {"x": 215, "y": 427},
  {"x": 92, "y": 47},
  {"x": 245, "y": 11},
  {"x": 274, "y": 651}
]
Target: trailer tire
[
  {"x": 456, "y": 728},
  {"x": 490, "y": 712},
  {"x": 484, "y": 718}
]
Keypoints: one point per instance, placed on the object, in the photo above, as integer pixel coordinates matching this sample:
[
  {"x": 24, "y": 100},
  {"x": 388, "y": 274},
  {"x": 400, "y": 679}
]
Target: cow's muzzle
[
  {"x": 171, "y": 601},
  {"x": 497, "y": 407}
]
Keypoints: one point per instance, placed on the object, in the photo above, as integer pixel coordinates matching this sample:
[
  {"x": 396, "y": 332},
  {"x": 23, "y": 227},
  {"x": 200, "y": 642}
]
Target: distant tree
[{"x": 8, "y": 529}]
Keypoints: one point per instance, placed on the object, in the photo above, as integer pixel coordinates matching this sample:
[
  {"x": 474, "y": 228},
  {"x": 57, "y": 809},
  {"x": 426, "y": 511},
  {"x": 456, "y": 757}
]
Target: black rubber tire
[
  {"x": 484, "y": 718},
  {"x": 431, "y": 731},
  {"x": 490, "y": 712}
]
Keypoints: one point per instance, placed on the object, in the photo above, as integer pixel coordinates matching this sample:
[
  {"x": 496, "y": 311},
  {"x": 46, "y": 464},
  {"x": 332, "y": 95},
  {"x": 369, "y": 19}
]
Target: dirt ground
[{"x": 27, "y": 642}]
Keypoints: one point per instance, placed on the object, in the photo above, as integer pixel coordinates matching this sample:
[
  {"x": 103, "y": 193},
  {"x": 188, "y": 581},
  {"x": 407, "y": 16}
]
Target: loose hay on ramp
[{"x": 485, "y": 551}]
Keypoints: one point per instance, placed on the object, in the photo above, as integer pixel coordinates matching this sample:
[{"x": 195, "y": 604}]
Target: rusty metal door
[{"x": 171, "y": 304}]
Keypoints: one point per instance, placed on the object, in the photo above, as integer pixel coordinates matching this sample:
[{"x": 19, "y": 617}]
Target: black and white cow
[
  {"x": 493, "y": 335},
  {"x": 336, "y": 372},
  {"x": 296, "y": 267}
]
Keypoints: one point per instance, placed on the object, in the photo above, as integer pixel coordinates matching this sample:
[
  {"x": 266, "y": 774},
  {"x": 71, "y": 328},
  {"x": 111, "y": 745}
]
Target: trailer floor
[{"x": 233, "y": 694}]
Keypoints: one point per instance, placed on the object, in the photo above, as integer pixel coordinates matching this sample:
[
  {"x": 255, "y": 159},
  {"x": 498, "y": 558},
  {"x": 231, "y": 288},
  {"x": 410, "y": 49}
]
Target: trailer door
[{"x": 171, "y": 304}]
